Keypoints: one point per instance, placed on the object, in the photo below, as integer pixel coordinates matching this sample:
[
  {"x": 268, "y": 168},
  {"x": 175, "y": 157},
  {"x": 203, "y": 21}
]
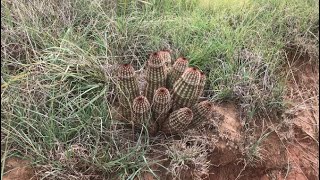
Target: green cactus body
[
  {"x": 200, "y": 88},
  {"x": 176, "y": 71},
  {"x": 156, "y": 75},
  {"x": 128, "y": 88},
  {"x": 202, "y": 112},
  {"x": 185, "y": 89},
  {"x": 141, "y": 110},
  {"x": 178, "y": 121},
  {"x": 161, "y": 105}
]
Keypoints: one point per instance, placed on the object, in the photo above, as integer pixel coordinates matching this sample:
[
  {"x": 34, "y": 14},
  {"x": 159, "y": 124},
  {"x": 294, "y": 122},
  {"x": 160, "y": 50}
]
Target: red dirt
[
  {"x": 287, "y": 153},
  {"x": 18, "y": 169},
  {"x": 303, "y": 91}
]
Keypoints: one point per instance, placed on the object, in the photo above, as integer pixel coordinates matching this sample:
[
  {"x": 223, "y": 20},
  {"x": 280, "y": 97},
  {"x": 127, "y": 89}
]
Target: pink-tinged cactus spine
[
  {"x": 185, "y": 89},
  {"x": 202, "y": 112},
  {"x": 156, "y": 74},
  {"x": 161, "y": 105},
  {"x": 176, "y": 71},
  {"x": 128, "y": 88},
  {"x": 141, "y": 110},
  {"x": 178, "y": 121}
]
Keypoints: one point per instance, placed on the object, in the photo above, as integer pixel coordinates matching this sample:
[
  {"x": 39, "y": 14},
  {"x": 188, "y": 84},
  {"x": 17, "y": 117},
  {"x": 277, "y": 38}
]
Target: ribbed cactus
[
  {"x": 141, "y": 110},
  {"x": 176, "y": 71},
  {"x": 178, "y": 121},
  {"x": 165, "y": 55},
  {"x": 185, "y": 89},
  {"x": 156, "y": 74},
  {"x": 201, "y": 85},
  {"x": 161, "y": 104},
  {"x": 200, "y": 88},
  {"x": 202, "y": 112},
  {"x": 170, "y": 101},
  {"x": 128, "y": 88}
]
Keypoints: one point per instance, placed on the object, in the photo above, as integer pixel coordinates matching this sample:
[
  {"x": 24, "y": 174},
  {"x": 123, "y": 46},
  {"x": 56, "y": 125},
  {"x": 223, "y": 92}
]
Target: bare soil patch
[
  {"x": 18, "y": 169},
  {"x": 290, "y": 152}
]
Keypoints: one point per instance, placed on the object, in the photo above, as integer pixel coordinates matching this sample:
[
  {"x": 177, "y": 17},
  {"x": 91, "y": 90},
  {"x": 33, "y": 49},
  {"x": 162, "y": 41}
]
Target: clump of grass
[
  {"x": 55, "y": 106},
  {"x": 188, "y": 158}
]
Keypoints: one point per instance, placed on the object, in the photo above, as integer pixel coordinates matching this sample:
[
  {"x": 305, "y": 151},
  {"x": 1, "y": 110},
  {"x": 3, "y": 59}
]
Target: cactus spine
[
  {"x": 184, "y": 90},
  {"x": 128, "y": 87},
  {"x": 178, "y": 121},
  {"x": 176, "y": 71},
  {"x": 161, "y": 104},
  {"x": 156, "y": 74},
  {"x": 202, "y": 112},
  {"x": 165, "y": 55},
  {"x": 200, "y": 88},
  {"x": 141, "y": 110}
]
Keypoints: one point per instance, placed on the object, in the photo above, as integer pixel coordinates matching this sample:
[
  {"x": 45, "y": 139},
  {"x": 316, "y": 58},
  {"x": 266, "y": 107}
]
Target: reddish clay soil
[
  {"x": 290, "y": 151},
  {"x": 18, "y": 169}
]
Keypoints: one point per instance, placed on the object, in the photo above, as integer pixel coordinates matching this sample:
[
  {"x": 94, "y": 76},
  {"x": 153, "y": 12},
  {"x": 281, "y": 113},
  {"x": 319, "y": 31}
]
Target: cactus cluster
[{"x": 169, "y": 103}]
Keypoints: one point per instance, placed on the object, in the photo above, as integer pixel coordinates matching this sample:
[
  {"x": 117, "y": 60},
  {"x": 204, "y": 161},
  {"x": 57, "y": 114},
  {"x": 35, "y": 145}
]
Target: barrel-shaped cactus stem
[
  {"x": 141, "y": 111},
  {"x": 202, "y": 112},
  {"x": 128, "y": 82},
  {"x": 178, "y": 121},
  {"x": 156, "y": 74},
  {"x": 176, "y": 71},
  {"x": 161, "y": 105},
  {"x": 185, "y": 89},
  {"x": 200, "y": 88},
  {"x": 156, "y": 59},
  {"x": 128, "y": 89},
  {"x": 165, "y": 55}
]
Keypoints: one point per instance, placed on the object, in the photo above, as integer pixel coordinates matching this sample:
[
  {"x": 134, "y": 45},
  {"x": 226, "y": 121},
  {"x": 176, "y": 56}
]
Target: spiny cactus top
[
  {"x": 128, "y": 89},
  {"x": 156, "y": 59},
  {"x": 161, "y": 104},
  {"x": 162, "y": 96},
  {"x": 180, "y": 64},
  {"x": 191, "y": 76},
  {"x": 165, "y": 54},
  {"x": 202, "y": 112},
  {"x": 177, "y": 70},
  {"x": 125, "y": 71},
  {"x": 128, "y": 81},
  {"x": 156, "y": 74},
  {"x": 185, "y": 89},
  {"x": 178, "y": 121},
  {"x": 141, "y": 110}
]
